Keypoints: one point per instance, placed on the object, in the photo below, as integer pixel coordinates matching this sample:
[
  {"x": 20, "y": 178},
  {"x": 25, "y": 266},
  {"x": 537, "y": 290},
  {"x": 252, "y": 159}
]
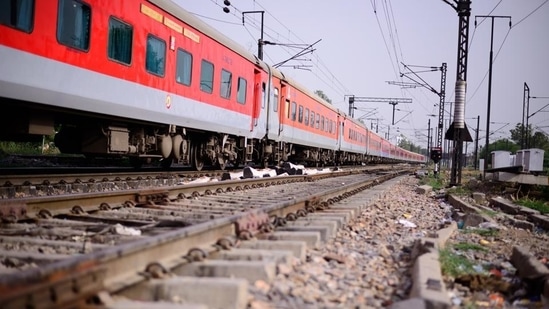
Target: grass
[
  {"x": 26, "y": 148},
  {"x": 489, "y": 213},
  {"x": 460, "y": 190},
  {"x": 482, "y": 232},
  {"x": 453, "y": 264},
  {"x": 465, "y": 246},
  {"x": 436, "y": 183},
  {"x": 540, "y": 206}
]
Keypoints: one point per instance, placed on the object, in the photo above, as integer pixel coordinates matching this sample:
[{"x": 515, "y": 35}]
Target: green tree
[
  {"x": 539, "y": 140},
  {"x": 323, "y": 96},
  {"x": 500, "y": 144},
  {"x": 404, "y": 143},
  {"x": 516, "y": 134}
]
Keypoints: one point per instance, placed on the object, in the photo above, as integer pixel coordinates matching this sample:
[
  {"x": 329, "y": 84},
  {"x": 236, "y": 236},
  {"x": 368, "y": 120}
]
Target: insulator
[{"x": 459, "y": 110}]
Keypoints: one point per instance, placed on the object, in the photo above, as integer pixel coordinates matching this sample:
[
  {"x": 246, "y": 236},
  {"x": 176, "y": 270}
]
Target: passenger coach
[{"x": 147, "y": 80}]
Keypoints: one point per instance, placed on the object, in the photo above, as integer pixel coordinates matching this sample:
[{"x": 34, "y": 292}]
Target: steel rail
[{"x": 65, "y": 282}]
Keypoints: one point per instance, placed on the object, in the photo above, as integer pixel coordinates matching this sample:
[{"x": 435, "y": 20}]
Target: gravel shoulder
[{"x": 368, "y": 264}]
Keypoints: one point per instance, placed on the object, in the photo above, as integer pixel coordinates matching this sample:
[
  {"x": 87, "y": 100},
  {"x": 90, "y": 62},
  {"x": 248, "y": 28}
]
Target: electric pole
[
  {"x": 392, "y": 101},
  {"x": 442, "y": 97},
  {"x": 490, "y": 85},
  {"x": 463, "y": 8}
]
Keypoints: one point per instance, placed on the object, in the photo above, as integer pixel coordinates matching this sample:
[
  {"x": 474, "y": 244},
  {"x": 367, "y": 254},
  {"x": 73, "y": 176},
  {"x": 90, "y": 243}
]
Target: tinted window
[
  {"x": 183, "y": 67},
  {"x": 73, "y": 24},
  {"x": 306, "y": 116},
  {"x": 275, "y": 100},
  {"x": 226, "y": 80},
  {"x": 313, "y": 119},
  {"x": 17, "y": 14},
  {"x": 300, "y": 114},
  {"x": 241, "y": 91},
  {"x": 294, "y": 110},
  {"x": 120, "y": 41},
  {"x": 206, "y": 76},
  {"x": 156, "y": 55},
  {"x": 264, "y": 98},
  {"x": 322, "y": 124}
]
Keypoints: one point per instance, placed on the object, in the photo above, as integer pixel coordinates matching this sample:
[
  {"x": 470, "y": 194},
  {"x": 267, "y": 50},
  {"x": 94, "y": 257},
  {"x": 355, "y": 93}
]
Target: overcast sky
[{"x": 363, "y": 44}]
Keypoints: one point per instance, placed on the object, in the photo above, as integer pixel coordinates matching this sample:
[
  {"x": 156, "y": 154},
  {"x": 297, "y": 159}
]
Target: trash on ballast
[
  {"x": 490, "y": 226},
  {"x": 406, "y": 223},
  {"x": 478, "y": 268},
  {"x": 124, "y": 230}
]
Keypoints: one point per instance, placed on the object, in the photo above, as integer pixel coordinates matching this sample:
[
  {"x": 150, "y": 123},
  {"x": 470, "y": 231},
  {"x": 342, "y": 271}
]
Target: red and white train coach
[{"x": 146, "y": 79}]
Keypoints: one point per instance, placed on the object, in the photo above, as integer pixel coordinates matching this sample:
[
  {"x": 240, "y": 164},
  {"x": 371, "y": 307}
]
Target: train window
[
  {"x": 294, "y": 110},
  {"x": 206, "y": 76},
  {"x": 183, "y": 67},
  {"x": 287, "y": 109},
  {"x": 226, "y": 83},
  {"x": 263, "y": 87},
  {"x": 275, "y": 100},
  {"x": 312, "y": 119},
  {"x": 322, "y": 128},
  {"x": 17, "y": 14},
  {"x": 300, "y": 114},
  {"x": 306, "y": 116},
  {"x": 120, "y": 41},
  {"x": 317, "y": 121},
  {"x": 73, "y": 24},
  {"x": 156, "y": 55},
  {"x": 241, "y": 91}
]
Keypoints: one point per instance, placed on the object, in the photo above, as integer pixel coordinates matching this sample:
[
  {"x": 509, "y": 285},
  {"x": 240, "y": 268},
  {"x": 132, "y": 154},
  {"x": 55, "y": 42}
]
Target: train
[{"x": 147, "y": 80}]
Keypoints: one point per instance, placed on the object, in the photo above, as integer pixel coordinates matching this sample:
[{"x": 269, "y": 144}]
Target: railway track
[{"x": 59, "y": 251}]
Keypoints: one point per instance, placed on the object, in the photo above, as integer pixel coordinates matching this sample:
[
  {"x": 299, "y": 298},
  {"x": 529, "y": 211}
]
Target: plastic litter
[
  {"x": 123, "y": 230},
  {"x": 406, "y": 223},
  {"x": 489, "y": 225}
]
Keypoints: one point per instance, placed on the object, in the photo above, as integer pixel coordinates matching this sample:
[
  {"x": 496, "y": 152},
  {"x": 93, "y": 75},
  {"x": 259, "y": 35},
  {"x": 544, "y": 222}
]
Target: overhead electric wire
[
  {"x": 343, "y": 89},
  {"x": 525, "y": 17},
  {"x": 215, "y": 19},
  {"x": 493, "y": 61},
  {"x": 505, "y": 38}
]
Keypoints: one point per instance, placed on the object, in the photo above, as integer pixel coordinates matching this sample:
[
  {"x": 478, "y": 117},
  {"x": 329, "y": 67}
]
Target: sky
[{"x": 365, "y": 46}]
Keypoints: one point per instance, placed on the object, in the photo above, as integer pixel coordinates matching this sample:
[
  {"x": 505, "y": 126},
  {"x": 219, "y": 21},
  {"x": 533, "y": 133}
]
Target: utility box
[
  {"x": 512, "y": 160},
  {"x": 519, "y": 158},
  {"x": 533, "y": 160},
  {"x": 500, "y": 158}
]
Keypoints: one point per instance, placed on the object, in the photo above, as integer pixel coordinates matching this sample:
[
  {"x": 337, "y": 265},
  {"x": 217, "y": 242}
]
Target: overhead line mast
[
  {"x": 458, "y": 131},
  {"x": 392, "y": 101}
]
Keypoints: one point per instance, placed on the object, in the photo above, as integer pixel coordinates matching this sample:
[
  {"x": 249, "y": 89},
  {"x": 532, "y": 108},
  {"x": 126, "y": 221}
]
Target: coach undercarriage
[
  {"x": 144, "y": 143},
  {"x": 171, "y": 144}
]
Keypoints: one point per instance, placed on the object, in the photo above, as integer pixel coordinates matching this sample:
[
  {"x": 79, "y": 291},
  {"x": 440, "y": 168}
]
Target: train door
[
  {"x": 272, "y": 112},
  {"x": 341, "y": 133},
  {"x": 339, "y": 129},
  {"x": 259, "y": 101},
  {"x": 368, "y": 152},
  {"x": 284, "y": 107}
]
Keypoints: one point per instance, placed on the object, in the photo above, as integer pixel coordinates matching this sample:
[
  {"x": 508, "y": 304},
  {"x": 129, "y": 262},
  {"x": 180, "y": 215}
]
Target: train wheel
[
  {"x": 221, "y": 163},
  {"x": 197, "y": 161}
]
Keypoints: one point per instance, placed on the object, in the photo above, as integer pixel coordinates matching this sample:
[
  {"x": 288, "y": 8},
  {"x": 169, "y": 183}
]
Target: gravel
[{"x": 368, "y": 263}]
